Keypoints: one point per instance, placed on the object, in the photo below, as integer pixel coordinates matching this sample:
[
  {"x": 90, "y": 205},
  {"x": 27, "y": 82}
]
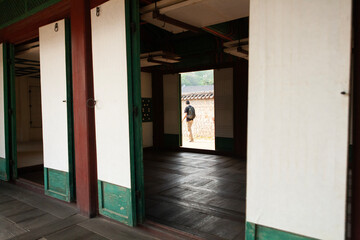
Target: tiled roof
[
  {"x": 197, "y": 92},
  {"x": 197, "y": 96}
]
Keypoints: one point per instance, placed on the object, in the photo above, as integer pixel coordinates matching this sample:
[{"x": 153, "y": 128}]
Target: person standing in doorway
[{"x": 189, "y": 116}]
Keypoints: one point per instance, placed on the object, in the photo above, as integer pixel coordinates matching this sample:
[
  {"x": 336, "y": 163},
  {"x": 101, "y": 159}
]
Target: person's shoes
[{"x": 191, "y": 141}]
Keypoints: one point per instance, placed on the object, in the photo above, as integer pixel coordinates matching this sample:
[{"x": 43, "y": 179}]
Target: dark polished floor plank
[
  {"x": 202, "y": 235},
  {"x": 37, "y": 222},
  {"x": 74, "y": 233},
  {"x": 112, "y": 230},
  {"x": 54, "y": 207},
  {"x": 9, "y": 229},
  {"x": 26, "y": 215},
  {"x": 14, "y": 207},
  {"x": 5, "y": 198},
  {"x": 199, "y": 193},
  {"x": 51, "y": 228}
]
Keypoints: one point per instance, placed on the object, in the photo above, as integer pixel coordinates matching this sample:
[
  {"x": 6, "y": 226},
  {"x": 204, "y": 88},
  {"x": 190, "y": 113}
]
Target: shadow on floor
[
  {"x": 197, "y": 193},
  {"x": 28, "y": 216}
]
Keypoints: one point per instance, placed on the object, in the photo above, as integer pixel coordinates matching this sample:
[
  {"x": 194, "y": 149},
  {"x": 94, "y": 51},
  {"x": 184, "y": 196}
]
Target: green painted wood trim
[
  {"x": 224, "y": 144},
  {"x": 5, "y": 163},
  {"x": 250, "y": 231},
  {"x": 4, "y": 169},
  {"x": 28, "y": 13},
  {"x": 180, "y": 112},
  {"x": 135, "y": 116},
  {"x": 258, "y": 232},
  {"x": 12, "y": 112},
  {"x": 57, "y": 184},
  {"x": 70, "y": 113},
  {"x": 171, "y": 140},
  {"x": 115, "y": 202}
]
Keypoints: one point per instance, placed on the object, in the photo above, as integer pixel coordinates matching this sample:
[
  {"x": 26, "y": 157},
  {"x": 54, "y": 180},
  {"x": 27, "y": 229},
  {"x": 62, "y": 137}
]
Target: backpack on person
[{"x": 191, "y": 114}]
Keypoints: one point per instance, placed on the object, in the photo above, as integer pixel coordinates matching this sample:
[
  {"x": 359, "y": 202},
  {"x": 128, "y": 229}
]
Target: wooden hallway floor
[
  {"x": 25, "y": 215},
  {"x": 197, "y": 193}
]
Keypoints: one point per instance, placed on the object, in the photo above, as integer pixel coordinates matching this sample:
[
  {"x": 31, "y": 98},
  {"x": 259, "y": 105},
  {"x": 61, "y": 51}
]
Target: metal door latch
[{"x": 91, "y": 103}]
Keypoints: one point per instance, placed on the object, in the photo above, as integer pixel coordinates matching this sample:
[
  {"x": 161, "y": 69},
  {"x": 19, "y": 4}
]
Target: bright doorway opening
[{"x": 197, "y": 96}]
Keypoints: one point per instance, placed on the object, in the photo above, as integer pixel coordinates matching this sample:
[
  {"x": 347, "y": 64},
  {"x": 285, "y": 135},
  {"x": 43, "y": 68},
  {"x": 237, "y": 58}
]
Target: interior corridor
[{"x": 200, "y": 194}]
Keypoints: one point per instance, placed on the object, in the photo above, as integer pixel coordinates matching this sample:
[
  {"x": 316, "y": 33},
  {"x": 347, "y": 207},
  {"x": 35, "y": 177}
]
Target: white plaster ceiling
[{"x": 198, "y": 13}]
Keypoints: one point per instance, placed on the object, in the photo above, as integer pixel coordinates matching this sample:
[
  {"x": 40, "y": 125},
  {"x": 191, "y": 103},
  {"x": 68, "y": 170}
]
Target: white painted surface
[
  {"x": 146, "y": 92},
  {"x": 224, "y": 112},
  {"x": 53, "y": 93},
  {"x": 147, "y": 134},
  {"x": 146, "y": 85},
  {"x": 111, "y": 93},
  {"x": 171, "y": 103},
  {"x": 298, "y": 120},
  {"x": 29, "y": 154},
  {"x": 24, "y": 131},
  {"x": 2, "y": 110}
]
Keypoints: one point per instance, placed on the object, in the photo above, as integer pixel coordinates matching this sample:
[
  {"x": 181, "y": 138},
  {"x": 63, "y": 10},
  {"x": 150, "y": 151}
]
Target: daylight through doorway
[
  {"x": 197, "y": 106},
  {"x": 30, "y": 162}
]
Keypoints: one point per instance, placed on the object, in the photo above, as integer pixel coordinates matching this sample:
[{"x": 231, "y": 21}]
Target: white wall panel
[
  {"x": 224, "y": 112},
  {"x": 171, "y": 104},
  {"x": 2, "y": 110},
  {"x": 147, "y": 134},
  {"x": 146, "y": 85},
  {"x": 53, "y": 93},
  {"x": 146, "y": 92},
  {"x": 111, "y": 93},
  {"x": 298, "y": 120}
]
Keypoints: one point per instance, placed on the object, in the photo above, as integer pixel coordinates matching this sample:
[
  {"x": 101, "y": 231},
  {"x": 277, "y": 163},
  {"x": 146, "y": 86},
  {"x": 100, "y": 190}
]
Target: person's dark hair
[{"x": 187, "y": 102}]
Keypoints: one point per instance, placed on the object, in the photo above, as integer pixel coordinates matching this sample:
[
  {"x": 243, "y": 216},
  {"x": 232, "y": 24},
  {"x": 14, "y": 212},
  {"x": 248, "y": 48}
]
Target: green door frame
[
  {"x": 10, "y": 112},
  {"x": 6, "y": 172},
  {"x": 70, "y": 111},
  {"x": 132, "y": 16}
]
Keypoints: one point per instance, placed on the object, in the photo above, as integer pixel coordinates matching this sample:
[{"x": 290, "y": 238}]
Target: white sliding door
[
  {"x": 54, "y": 77},
  {"x": 299, "y": 65}
]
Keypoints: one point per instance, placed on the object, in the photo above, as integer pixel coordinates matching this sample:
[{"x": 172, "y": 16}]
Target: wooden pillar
[
  {"x": 240, "y": 107},
  {"x": 158, "y": 110},
  {"x": 355, "y": 203},
  {"x": 84, "y": 118}
]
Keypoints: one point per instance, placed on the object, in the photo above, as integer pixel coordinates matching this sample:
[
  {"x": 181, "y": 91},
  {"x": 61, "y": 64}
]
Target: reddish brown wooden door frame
[
  {"x": 84, "y": 116},
  {"x": 84, "y": 125}
]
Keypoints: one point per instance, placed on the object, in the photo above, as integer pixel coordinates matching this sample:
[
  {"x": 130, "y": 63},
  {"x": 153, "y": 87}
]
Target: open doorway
[
  {"x": 30, "y": 164},
  {"x": 187, "y": 187},
  {"x": 198, "y": 110}
]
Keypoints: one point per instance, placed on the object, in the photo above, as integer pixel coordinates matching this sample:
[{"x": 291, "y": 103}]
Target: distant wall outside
[{"x": 203, "y": 125}]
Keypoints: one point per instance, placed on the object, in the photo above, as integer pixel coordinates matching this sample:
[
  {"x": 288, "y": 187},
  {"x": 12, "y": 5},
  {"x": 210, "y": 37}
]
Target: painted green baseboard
[
  {"x": 57, "y": 184},
  {"x": 224, "y": 144},
  {"x": 115, "y": 202},
  {"x": 4, "y": 170},
  {"x": 171, "y": 140},
  {"x": 258, "y": 232}
]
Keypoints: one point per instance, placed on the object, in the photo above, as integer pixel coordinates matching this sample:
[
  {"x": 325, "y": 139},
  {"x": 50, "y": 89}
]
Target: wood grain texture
[
  {"x": 84, "y": 117},
  {"x": 28, "y": 216},
  {"x": 28, "y": 28},
  {"x": 355, "y": 164},
  {"x": 198, "y": 193},
  {"x": 115, "y": 202}
]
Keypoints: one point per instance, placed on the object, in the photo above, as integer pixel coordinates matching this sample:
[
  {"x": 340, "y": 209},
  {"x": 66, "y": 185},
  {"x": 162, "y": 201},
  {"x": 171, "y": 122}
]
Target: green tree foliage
[{"x": 198, "y": 78}]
